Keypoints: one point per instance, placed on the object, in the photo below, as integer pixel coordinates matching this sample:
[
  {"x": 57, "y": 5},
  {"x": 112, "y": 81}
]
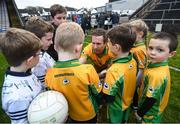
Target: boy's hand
[
  {"x": 138, "y": 118},
  {"x": 135, "y": 108},
  {"x": 102, "y": 74}
]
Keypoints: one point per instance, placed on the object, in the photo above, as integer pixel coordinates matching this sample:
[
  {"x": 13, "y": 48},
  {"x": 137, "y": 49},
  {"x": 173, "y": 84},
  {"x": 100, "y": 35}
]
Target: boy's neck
[
  {"x": 64, "y": 56},
  {"x": 18, "y": 69},
  {"x": 122, "y": 55},
  {"x": 139, "y": 41}
]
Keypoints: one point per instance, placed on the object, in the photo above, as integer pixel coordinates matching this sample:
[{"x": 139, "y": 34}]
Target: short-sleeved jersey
[
  {"x": 120, "y": 82},
  {"x": 99, "y": 62},
  {"x": 45, "y": 62},
  {"x": 156, "y": 84},
  {"x": 139, "y": 51},
  {"x": 79, "y": 83},
  {"x": 18, "y": 90}
]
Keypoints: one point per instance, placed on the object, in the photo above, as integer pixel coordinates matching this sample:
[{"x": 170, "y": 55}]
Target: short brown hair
[
  {"x": 68, "y": 34},
  {"x": 100, "y": 32},
  {"x": 17, "y": 45},
  {"x": 122, "y": 35},
  {"x": 57, "y": 9},
  {"x": 38, "y": 26},
  {"x": 173, "y": 42}
]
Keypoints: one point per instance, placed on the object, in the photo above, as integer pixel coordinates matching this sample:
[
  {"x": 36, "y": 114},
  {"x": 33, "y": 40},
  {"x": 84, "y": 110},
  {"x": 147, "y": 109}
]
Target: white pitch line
[{"x": 174, "y": 68}]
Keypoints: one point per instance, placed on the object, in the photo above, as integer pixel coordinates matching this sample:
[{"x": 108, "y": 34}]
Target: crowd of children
[{"x": 136, "y": 76}]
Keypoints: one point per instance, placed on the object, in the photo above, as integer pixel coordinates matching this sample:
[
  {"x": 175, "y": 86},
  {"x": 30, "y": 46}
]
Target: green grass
[
  {"x": 3, "y": 66},
  {"x": 171, "y": 114}
]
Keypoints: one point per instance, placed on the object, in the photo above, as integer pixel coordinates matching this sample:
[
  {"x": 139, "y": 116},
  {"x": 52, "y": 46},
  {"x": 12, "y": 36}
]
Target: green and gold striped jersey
[
  {"x": 139, "y": 51},
  {"x": 156, "y": 84},
  {"x": 120, "y": 82},
  {"x": 78, "y": 83}
]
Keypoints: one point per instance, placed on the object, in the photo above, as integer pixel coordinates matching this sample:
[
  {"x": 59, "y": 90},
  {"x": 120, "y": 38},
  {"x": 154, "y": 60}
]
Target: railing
[
  {"x": 14, "y": 18},
  {"x": 141, "y": 12},
  {"x": 160, "y": 20},
  {"x": 17, "y": 12}
]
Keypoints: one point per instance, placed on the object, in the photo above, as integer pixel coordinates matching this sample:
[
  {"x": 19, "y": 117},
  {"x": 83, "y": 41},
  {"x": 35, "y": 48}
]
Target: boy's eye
[
  {"x": 150, "y": 48},
  {"x": 61, "y": 18},
  {"x": 160, "y": 50}
]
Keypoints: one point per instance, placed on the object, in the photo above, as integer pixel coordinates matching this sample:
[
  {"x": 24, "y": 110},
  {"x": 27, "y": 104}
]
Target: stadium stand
[
  {"x": 4, "y": 19},
  {"x": 164, "y": 12}
]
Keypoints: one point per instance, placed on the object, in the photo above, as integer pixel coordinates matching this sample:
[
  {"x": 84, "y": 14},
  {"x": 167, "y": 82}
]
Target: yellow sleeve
[
  {"x": 94, "y": 79},
  {"x": 109, "y": 81}
]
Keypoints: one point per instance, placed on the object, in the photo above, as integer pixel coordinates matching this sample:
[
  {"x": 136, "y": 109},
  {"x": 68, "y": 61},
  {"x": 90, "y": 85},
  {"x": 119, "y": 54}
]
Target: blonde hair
[
  {"x": 68, "y": 34},
  {"x": 17, "y": 45},
  {"x": 38, "y": 26},
  {"x": 140, "y": 25}
]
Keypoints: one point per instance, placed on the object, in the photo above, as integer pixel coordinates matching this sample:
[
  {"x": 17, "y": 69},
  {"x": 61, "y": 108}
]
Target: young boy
[
  {"x": 139, "y": 51},
  {"x": 139, "y": 48},
  {"x": 97, "y": 53},
  {"x": 78, "y": 82},
  {"x": 58, "y": 14},
  {"x": 44, "y": 31},
  {"x": 156, "y": 79},
  {"x": 120, "y": 81},
  {"x": 21, "y": 50}
]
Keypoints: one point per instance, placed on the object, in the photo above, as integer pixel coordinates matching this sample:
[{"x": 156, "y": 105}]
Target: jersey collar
[
  {"x": 68, "y": 63},
  {"x": 139, "y": 44},
  {"x": 123, "y": 60},
  {"x": 164, "y": 63},
  {"x": 18, "y": 74}
]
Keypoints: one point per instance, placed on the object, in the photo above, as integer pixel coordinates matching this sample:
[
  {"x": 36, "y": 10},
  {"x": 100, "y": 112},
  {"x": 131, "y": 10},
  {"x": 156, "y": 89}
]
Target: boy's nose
[{"x": 153, "y": 52}]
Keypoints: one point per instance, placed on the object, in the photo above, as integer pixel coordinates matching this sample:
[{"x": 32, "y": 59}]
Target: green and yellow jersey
[
  {"x": 101, "y": 61},
  {"x": 139, "y": 51},
  {"x": 78, "y": 83},
  {"x": 120, "y": 82},
  {"x": 156, "y": 84}
]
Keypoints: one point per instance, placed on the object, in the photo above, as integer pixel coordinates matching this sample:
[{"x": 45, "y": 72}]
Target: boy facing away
[
  {"x": 139, "y": 47},
  {"x": 120, "y": 80},
  {"x": 44, "y": 31},
  {"x": 73, "y": 79},
  {"x": 156, "y": 78},
  {"x": 20, "y": 87}
]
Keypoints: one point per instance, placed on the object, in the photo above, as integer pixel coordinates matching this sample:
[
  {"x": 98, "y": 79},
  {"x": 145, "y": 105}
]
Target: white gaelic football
[{"x": 48, "y": 107}]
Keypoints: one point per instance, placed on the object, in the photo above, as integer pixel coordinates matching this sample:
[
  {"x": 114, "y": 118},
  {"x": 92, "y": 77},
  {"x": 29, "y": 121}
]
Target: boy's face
[
  {"x": 139, "y": 34},
  {"x": 98, "y": 44},
  {"x": 113, "y": 48},
  {"x": 59, "y": 18},
  {"x": 47, "y": 40},
  {"x": 158, "y": 50}
]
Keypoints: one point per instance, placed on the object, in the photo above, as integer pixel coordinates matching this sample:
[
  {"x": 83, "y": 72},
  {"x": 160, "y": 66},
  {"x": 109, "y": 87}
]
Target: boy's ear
[
  {"x": 173, "y": 53},
  {"x": 56, "y": 48},
  {"x": 117, "y": 46},
  {"x": 141, "y": 33},
  {"x": 29, "y": 60}
]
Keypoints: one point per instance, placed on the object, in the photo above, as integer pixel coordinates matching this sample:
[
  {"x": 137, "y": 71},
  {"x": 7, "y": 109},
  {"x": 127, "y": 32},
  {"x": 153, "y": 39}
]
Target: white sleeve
[{"x": 17, "y": 111}]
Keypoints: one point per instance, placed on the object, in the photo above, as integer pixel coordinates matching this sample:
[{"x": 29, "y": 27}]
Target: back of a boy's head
[
  {"x": 57, "y": 9},
  {"x": 68, "y": 34},
  {"x": 100, "y": 32},
  {"x": 38, "y": 26},
  {"x": 17, "y": 45},
  {"x": 122, "y": 35},
  {"x": 173, "y": 42},
  {"x": 140, "y": 25}
]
